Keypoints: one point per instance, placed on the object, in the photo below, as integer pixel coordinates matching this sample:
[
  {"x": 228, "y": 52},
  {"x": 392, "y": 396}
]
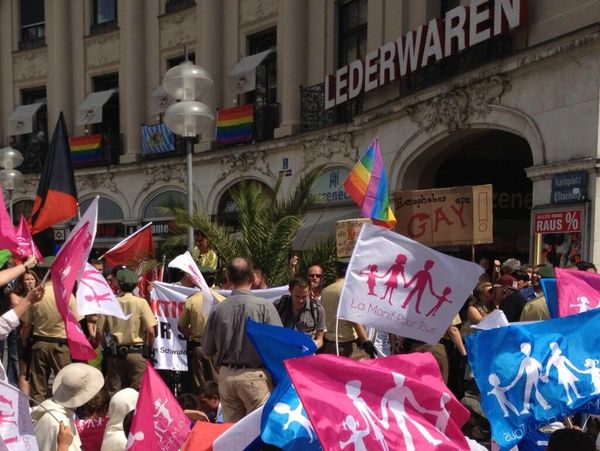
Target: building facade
[{"x": 512, "y": 101}]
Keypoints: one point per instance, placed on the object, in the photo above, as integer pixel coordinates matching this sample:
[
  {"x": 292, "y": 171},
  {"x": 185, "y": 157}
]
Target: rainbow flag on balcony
[
  {"x": 86, "y": 149},
  {"x": 235, "y": 125}
]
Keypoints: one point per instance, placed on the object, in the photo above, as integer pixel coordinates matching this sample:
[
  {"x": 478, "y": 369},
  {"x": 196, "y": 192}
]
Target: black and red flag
[{"x": 56, "y": 197}]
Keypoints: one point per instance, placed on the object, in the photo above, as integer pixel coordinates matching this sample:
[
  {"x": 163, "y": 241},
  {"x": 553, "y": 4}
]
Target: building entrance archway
[{"x": 477, "y": 157}]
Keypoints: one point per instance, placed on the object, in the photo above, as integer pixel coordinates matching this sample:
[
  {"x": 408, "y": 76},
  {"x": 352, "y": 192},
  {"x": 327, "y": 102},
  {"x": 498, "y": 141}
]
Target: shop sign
[
  {"x": 110, "y": 230},
  {"x": 329, "y": 187},
  {"x": 461, "y": 27},
  {"x": 446, "y": 216},
  {"x": 569, "y": 188},
  {"x": 160, "y": 227},
  {"x": 564, "y": 221}
]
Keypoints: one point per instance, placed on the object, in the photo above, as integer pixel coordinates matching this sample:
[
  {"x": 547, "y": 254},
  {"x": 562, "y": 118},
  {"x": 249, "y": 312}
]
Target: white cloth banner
[
  {"x": 186, "y": 263},
  {"x": 94, "y": 296},
  {"x": 270, "y": 294},
  {"x": 167, "y": 302},
  {"x": 16, "y": 428},
  {"x": 400, "y": 286}
]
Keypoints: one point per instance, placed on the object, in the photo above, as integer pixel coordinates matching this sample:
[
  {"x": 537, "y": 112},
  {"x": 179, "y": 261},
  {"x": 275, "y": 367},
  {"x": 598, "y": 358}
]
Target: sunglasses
[{"x": 316, "y": 275}]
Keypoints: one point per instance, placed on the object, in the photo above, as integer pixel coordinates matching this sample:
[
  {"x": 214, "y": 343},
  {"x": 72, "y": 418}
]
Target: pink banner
[
  {"x": 398, "y": 402},
  {"x": 578, "y": 291},
  {"x": 64, "y": 273},
  {"x": 159, "y": 422},
  {"x": 26, "y": 245}
]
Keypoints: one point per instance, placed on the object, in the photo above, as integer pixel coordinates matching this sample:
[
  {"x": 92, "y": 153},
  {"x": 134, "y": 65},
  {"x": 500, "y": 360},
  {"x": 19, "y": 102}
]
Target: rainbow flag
[
  {"x": 367, "y": 186},
  {"x": 235, "y": 125},
  {"x": 86, "y": 149}
]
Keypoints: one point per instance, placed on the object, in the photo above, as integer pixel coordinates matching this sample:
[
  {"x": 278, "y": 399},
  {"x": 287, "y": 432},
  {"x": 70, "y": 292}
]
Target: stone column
[
  {"x": 132, "y": 74},
  {"x": 60, "y": 81},
  {"x": 291, "y": 64},
  {"x": 6, "y": 75}
]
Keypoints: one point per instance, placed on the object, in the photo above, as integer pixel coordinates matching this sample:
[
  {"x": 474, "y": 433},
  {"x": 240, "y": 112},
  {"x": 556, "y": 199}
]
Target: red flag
[
  {"x": 56, "y": 198},
  {"x": 64, "y": 272},
  {"x": 398, "y": 402},
  {"x": 159, "y": 422},
  {"x": 26, "y": 245},
  {"x": 136, "y": 247},
  {"x": 203, "y": 436}
]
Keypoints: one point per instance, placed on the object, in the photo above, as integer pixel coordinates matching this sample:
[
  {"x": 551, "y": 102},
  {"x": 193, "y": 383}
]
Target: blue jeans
[{"x": 12, "y": 369}]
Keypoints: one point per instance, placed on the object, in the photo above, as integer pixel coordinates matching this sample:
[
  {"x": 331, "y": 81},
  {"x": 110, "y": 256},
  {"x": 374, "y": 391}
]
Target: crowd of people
[{"x": 89, "y": 405}]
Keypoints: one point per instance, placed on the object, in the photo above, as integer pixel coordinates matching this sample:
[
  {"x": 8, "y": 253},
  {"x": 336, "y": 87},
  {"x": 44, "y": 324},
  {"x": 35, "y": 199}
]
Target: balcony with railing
[
  {"x": 33, "y": 36},
  {"x": 96, "y": 150},
  {"x": 313, "y": 114},
  {"x": 252, "y": 122}
]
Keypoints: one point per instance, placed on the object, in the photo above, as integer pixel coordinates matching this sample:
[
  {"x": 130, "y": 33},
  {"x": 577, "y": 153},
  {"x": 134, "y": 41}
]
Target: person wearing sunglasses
[{"x": 315, "y": 277}]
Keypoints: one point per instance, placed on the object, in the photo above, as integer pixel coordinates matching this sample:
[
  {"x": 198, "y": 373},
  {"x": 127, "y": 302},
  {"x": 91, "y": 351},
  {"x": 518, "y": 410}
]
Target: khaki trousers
[
  {"x": 200, "y": 368},
  {"x": 46, "y": 358},
  {"x": 347, "y": 349},
  {"x": 124, "y": 372},
  {"x": 242, "y": 391}
]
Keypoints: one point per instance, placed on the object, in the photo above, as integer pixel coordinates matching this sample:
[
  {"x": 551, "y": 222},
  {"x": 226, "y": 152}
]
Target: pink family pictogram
[{"x": 418, "y": 284}]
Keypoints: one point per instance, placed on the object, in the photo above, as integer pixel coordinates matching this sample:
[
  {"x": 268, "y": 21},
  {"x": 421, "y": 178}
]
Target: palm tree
[{"x": 266, "y": 226}]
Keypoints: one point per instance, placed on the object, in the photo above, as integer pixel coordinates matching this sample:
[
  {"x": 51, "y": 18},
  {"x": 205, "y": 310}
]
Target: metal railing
[
  {"x": 33, "y": 36},
  {"x": 313, "y": 114}
]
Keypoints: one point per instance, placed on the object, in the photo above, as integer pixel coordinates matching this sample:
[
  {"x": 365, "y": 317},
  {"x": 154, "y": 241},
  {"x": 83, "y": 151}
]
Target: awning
[
  {"x": 90, "y": 110},
  {"x": 20, "y": 121},
  {"x": 160, "y": 101},
  {"x": 243, "y": 73},
  {"x": 320, "y": 224}
]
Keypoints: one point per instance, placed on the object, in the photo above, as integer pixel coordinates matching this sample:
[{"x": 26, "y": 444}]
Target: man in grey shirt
[{"x": 244, "y": 385}]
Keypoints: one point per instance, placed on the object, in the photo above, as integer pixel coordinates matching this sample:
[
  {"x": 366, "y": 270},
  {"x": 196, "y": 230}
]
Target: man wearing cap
[
  {"x": 350, "y": 335},
  {"x": 191, "y": 325},
  {"x": 74, "y": 385},
  {"x": 244, "y": 384},
  {"x": 130, "y": 340},
  {"x": 49, "y": 350}
]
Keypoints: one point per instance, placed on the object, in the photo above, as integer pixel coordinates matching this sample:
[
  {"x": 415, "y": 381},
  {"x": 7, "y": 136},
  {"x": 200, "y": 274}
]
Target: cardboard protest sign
[{"x": 346, "y": 235}]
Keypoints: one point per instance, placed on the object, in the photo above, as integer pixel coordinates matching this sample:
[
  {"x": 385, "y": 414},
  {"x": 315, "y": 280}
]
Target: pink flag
[
  {"x": 159, "y": 422},
  {"x": 8, "y": 236},
  {"x": 398, "y": 402},
  {"x": 16, "y": 429},
  {"x": 578, "y": 291},
  {"x": 64, "y": 272},
  {"x": 26, "y": 245}
]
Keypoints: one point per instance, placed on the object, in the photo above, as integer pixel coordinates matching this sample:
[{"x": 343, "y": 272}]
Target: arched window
[
  {"x": 227, "y": 211},
  {"x": 155, "y": 208},
  {"x": 108, "y": 210}
]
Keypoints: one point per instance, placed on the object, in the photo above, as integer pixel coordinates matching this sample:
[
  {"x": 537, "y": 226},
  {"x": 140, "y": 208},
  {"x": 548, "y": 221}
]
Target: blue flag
[
  {"x": 533, "y": 374},
  {"x": 157, "y": 139},
  {"x": 284, "y": 422},
  {"x": 551, "y": 295}
]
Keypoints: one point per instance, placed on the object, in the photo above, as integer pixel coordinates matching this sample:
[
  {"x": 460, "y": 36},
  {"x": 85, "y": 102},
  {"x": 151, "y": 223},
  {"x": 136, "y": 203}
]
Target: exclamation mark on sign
[{"x": 482, "y": 210}]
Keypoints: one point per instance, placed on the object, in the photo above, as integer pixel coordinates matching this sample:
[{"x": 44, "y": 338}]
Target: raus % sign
[{"x": 557, "y": 222}]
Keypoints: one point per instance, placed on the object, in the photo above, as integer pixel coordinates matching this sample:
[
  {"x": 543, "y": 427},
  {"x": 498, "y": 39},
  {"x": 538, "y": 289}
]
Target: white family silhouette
[
  {"x": 395, "y": 400},
  {"x": 533, "y": 369},
  {"x": 295, "y": 416}
]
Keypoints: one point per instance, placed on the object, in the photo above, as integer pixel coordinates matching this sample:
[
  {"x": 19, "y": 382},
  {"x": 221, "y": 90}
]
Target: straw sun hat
[{"x": 76, "y": 384}]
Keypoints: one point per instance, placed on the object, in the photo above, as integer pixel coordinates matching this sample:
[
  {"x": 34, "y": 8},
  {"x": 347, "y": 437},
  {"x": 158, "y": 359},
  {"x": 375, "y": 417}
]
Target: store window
[
  {"x": 104, "y": 15},
  {"x": 156, "y": 207},
  {"x": 352, "y": 29},
  {"x": 33, "y": 24}
]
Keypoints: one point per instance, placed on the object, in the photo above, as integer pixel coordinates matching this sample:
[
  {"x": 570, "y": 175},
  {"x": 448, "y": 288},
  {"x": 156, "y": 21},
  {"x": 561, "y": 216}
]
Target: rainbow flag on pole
[
  {"x": 235, "y": 125},
  {"x": 367, "y": 186},
  {"x": 86, "y": 149}
]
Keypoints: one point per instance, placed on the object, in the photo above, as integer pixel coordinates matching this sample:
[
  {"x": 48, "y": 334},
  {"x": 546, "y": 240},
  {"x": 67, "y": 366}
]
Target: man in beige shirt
[
  {"x": 130, "y": 340},
  {"x": 49, "y": 351},
  {"x": 191, "y": 325},
  {"x": 349, "y": 334}
]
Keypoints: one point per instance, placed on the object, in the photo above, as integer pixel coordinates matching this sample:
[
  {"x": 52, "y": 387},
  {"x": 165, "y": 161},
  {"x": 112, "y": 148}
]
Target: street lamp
[
  {"x": 188, "y": 117},
  {"x": 10, "y": 178}
]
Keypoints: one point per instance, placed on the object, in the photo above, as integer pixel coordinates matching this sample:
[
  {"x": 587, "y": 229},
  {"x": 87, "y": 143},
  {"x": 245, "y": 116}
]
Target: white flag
[
  {"x": 397, "y": 285},
  {"x": 94, "y": 295},
  {"x": 186, "y": 263},
  {"x": 269, "y": 294},
  {"x": 16, "y": 428},
  {"x": 167, "y": 303}
]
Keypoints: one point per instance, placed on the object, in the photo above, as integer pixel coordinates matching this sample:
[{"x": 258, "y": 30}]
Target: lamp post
[
  {"x": 9, "y": 177},
  {"x": 188, "y": 117}
]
